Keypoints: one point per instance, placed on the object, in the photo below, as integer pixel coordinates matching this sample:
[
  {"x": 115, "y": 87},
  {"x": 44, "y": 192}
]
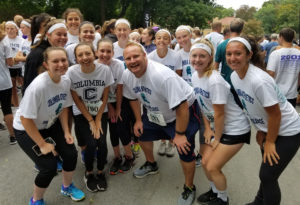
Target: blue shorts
[{"x": 152, "y": 131}]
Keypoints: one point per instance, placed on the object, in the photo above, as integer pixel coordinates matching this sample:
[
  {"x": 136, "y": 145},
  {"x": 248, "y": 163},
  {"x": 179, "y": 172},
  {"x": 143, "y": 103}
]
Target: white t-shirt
[
  {"x": 71, "y": 55},
  {"x": 117, "y": 68},
  {"x": 285, "y": 62},
  {"x": 215, "y": 38},
  {"x": 215, "y": 90},
  {"x": 118, "y": 51},
  {"x": 97, "y": 38},
  {"x": 26, "y": 47},
  {"x": 258, "y": 90},
  {"x": 159, "y": 90},
  {"x": 15, "y": 45},
  {"x": 90, "y": 86},
  {"x": 187, "y": 69},
  {"x": 43, "y": 101},
  {"x": 72, "y": 39},
  {"x": 5, "y": 53},
  {"x": 171, "y": 60}
]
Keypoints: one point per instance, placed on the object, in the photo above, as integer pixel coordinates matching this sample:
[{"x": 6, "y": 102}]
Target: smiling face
[
  {"x": 200, "y": 60},
  {"x": 162, "y": 40},
  {"x": 85, "y": 56},
  {"x": 58, "y": 37},
  {"x": 122, "y": 32},
  {"x": 25, "y": 29},
  {"x": 237, "y": 56},
  {"x": 136, "y": 60},
  {"x": 56, "y": 64},
  {"x": 183, "y": 37},
  {"x": 87, "y": 33},
  {"x": 105, "y": 52},
  {"x": 73, "y": 21}
]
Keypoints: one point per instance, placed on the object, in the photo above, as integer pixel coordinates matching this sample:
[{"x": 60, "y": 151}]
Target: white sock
[
  {"x": 213, "y": 187},
  {"x": 222, "y": 195}
]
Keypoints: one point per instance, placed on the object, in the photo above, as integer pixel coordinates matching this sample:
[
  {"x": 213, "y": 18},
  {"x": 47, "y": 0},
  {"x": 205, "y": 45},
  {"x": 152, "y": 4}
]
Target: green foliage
[
  {"x": 253, "y": 27},
  {"x": 222, "y": 12},
  {"x": 245, "y": 12}
]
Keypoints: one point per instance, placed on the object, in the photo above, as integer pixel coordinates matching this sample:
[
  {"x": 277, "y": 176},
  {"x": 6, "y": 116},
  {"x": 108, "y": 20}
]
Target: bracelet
[{"x": 179, "y": 133}]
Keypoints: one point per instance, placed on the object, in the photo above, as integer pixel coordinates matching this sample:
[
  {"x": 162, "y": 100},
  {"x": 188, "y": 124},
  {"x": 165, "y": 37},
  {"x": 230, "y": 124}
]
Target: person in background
[
  {"x": 73, "y": 17},
  {"x": 108, "y": 30},
  {"x": 215, "y": 37},
  {"x": 147, "y": 38},
  {"x": 268, "y": 47}
]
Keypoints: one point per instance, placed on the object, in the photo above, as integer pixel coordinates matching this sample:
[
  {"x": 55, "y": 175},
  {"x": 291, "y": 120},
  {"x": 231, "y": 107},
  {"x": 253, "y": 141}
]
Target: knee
[
  {"x": 212, "y": 170},
  {"x": 204, "y": 163},
  {"x": 267, "y": 177}
]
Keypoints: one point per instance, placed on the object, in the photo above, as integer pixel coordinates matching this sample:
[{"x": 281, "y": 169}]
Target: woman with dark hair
[
  {"x": 148, "y": 35},
  {"x": 38, "y": 23},
  {"x": 108, "y": 30},
  {"x": 73, "y": 17}
]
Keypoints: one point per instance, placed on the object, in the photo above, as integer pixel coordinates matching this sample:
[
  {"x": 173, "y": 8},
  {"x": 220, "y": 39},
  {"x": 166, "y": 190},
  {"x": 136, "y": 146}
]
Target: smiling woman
[{"x": 73, "y": 17}]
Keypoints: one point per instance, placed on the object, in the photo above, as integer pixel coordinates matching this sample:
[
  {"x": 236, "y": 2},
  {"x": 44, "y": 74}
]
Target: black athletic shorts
[
  {"x": 236, "y": 139},
  {"x": 15, "y": 72},
  {"x": 5, "y": 100}
]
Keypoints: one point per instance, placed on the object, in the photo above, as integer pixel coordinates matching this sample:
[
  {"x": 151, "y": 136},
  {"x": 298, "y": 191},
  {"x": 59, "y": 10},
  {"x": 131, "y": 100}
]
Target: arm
[
  {"x": 19, "y": 57},
  {"x": 138, "y": 125},
  {"x": 101, "y": 109},
  {"x": 274, "y": 118},
  {"x": 9, "y": 62},
  {"x": 208, "y": 133},
  {"x": 179, "y": 72},
  {"x": 219, "y": 116},
  {"x": 271, "y": 73},
  {"x": 119, "y": 101},
  {"x": 64, "y": 121}
]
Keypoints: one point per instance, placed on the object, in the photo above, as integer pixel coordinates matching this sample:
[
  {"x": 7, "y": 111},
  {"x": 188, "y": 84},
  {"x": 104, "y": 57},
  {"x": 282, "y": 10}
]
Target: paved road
[{"x": 17, "y": 176}]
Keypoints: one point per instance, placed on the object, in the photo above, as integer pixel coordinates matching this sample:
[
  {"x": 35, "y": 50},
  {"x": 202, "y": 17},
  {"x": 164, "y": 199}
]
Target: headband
[
  {"x": 241, "y": 40},
  {"x": 119, "y": 21},
  {"x": 12, "y": 23},
  {"x": 26, "y": 23},
  {"x": 132, "y": 33},
  {"x": 56, "y": 26},
  {"x": 182, "y": 27},
  {"x": 163, "y": 30},
  {"x": 202, "y": 46}
]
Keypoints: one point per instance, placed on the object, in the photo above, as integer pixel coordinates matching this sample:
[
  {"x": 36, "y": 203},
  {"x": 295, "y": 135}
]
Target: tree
[
  {"x": 245, "y": 12},
  {"x": 267, "y": 15},
  {"x": 222, "y": 12},
  {"x": 254, "y": 28}
]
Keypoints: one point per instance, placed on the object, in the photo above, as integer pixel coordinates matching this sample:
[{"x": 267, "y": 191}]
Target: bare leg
[
  {"x": 148, "y": 150},
  {"x": 67, "y": 178},
  {"x": 9, "y": 123},
  {"x": 189, "y": 172},
  {"x": 38, "y": 192}
]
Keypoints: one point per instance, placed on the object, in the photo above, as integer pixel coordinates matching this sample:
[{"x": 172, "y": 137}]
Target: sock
[
  {"x": 213, "y": 187},
  {"x": 222, "y": 195}
]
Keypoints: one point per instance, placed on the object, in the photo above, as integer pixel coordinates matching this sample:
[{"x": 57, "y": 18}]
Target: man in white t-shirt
[
  {"x": 215, "y": 37},
  {"x": 284, "y": 65},
  {"x": 167, "y": 105}
]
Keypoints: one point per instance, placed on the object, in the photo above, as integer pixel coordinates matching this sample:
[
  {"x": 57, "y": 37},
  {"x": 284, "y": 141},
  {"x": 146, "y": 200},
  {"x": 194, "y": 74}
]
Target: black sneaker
[
  {"x": 218, "y": 201},
  {"x": 2, "y": 127},
  {"x": 115, "y": 167},
  {"x": 128, "y": 163},
  {"x": 207, "y": 197},
  {"x": 12, "y": 140},
  {"x": 101, "y": 182},
  {"x": 90, "y": 182}
]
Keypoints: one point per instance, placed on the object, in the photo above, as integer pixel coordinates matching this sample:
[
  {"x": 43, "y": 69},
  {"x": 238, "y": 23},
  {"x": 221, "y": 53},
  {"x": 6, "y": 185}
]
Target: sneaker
[
  {"x": 101, "y": 182},
  {"x": 187, "y": 197},
  {"x": 12, "y": 140},
  {"x": 146, "y": 169},
  {"x": 198, "y": 160},
  {"x": 2, "y": 127},
  {"x": 73, "y": 192},
  {"x": 162, "y": 148},
  {"x": 82, "y": 157},
  {"x": 90, "y": 182},
  {"x": 218, "y": 201},
  {"x": 170, "y": 150},
  {"x": 38, "y": 202},
  {"x": 207, "y": 197},
  {"x": 36, "y": 168},
  {"x": 128, "y": 163},
  {"x": 115, "y": 167},
  {"x": 59, "y": 165}
]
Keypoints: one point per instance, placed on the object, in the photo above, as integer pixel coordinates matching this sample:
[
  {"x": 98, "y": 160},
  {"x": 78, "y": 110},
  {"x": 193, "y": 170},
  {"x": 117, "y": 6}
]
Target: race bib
[
  {"x": 93, "y": 107},
  {"x": 156, "y": 118}
]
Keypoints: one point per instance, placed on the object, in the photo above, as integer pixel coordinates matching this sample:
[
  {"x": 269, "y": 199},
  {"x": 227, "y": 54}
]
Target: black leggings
[
  {"x": 120, "y": 129},
  {"x": 82, "y": 131},
  {"x": 269, "y": 190},
  {"x": 47, "y": 164}
]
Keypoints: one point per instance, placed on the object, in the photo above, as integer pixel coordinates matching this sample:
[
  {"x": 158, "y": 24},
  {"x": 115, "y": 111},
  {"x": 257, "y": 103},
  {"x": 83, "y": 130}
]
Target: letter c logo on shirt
[{"x": 90, "y": 93}]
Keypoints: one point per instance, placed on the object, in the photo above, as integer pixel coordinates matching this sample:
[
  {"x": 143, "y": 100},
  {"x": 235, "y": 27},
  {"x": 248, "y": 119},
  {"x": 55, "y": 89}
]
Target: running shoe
[
  {"x": 198, "y": 160},
  {"x": 73, "y": 192},
  {"x": 218, "y": 201},
  {"x": 2, "y": 127},
  {"x": 90, "y": 182},
  {"x": 59, "y": 165},
  {"x": 207, "y": 197},
  {"x": 38, "y": 202},
  {"x": 101, "y": 182},
  {"x": 162, "y": 148},
  {"x": 146, "y": 169},
  {"x": 128, "y": 163},
  {"x": 12, "y": 140},
  {"x": 170, "y": 150},
  {"x": 187, "y": 197},
  {"x": 115, "y": 167}
]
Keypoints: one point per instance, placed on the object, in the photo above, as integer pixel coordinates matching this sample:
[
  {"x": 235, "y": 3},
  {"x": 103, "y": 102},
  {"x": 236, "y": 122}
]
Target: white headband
[
  {"x": 26, "y": 23},
  {"x": 202, "y": 46},
  {"x": 241, "y": 40},
  {"x": 12, "y": 23},
  {"x": 119, "y": 21},
  {"x": 182, "y": 27},
  {"x": 163, "y": 30},
  {"x": 136, "y": 33},
  {"x": 56, "y": 26}
]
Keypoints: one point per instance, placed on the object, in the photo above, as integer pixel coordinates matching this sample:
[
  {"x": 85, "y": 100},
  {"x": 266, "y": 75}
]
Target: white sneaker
[
  {"x": 170, "y": 150},
  {"x": 162, "y": 148}
]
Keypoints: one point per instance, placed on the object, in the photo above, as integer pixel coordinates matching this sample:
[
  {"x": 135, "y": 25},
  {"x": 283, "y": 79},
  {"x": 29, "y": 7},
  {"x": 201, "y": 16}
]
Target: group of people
[{"x": 145, "y": 91}]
